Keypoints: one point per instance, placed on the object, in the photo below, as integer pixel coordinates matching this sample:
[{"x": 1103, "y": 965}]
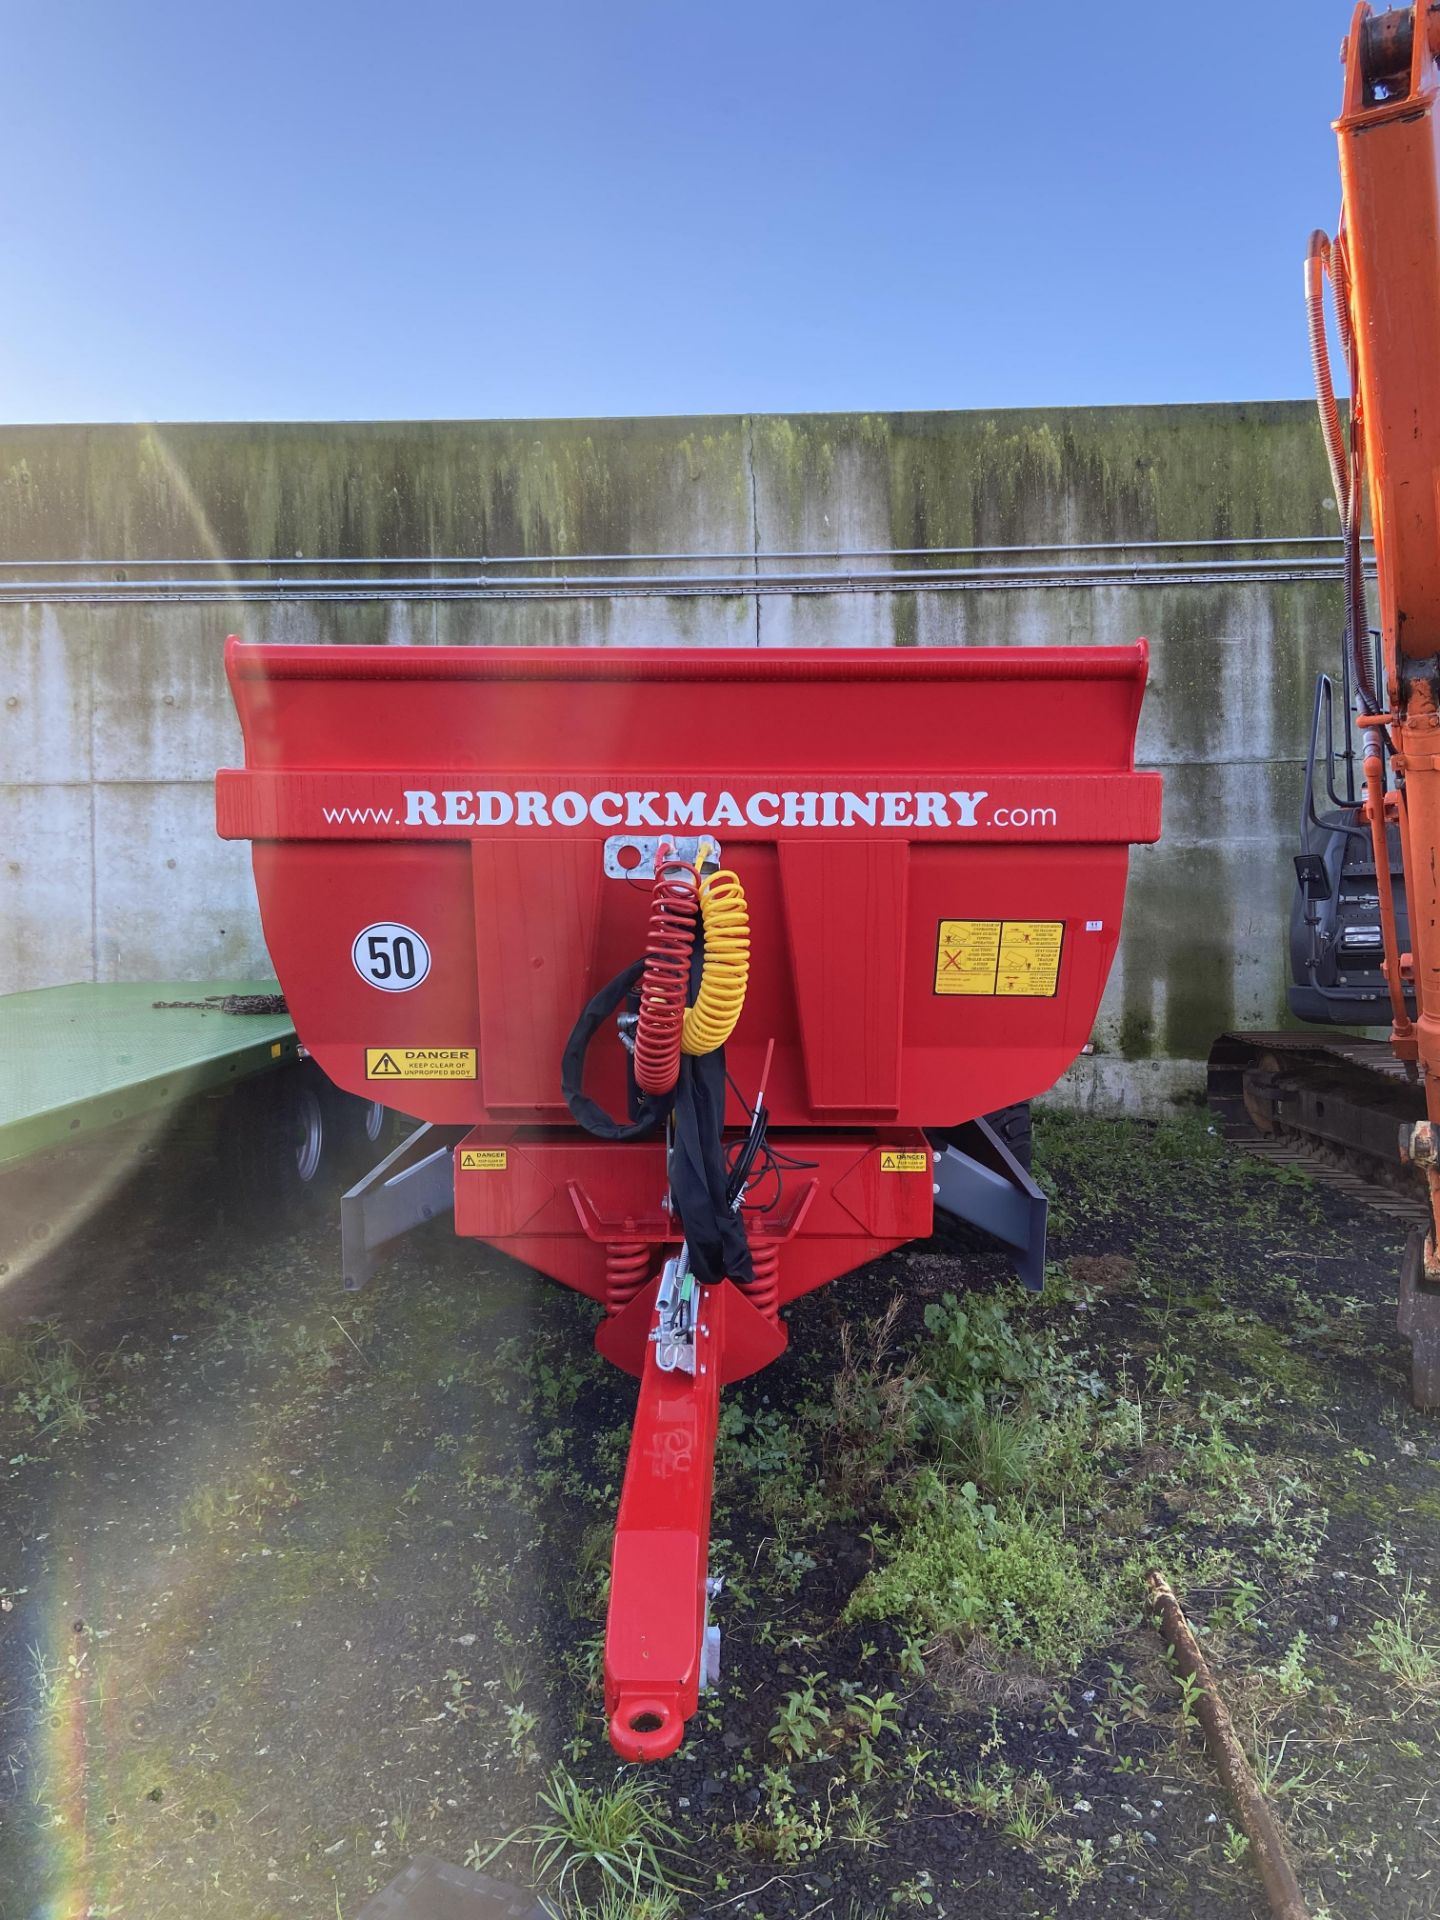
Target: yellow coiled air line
[{"x": 710, "y": 1022}]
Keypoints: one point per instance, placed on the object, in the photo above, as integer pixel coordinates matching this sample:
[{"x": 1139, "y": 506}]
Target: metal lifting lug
[
  {"x": 1418, "y": 1144},
  {"x": 634, "y": 856}
]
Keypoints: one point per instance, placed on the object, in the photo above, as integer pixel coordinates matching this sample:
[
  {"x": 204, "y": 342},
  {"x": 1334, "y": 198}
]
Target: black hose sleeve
[
  {"x": 589, "y": 1113},
  {"x": 714, "y": 1232}
]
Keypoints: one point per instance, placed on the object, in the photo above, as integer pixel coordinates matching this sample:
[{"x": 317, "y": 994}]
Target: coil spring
[
  {"x": 627, "y": 1268},
  {"x": 726, "y": 973},
  {"x": 763, "y": 1292},
  {"x": 665, "y": 984}
]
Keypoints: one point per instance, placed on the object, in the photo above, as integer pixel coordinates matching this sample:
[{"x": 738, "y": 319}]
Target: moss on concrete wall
[
  {"x": 358, "y": 490},
  {"x": 362, "y": 491}
]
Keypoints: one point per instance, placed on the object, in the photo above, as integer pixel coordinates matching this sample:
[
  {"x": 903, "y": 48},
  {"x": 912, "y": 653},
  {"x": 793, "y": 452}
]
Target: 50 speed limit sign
[{"x": 390, "y": 957}]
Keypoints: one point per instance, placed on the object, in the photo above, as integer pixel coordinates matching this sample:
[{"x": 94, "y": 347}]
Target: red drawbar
[
  {"x": 933, "y": 845},
  {"x": 653, "y": 1653}
]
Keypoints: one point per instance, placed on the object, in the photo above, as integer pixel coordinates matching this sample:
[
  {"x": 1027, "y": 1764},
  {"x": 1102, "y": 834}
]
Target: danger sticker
[
  {"x": 1030, "y": 957},
  {"x": 420, "y": 1063},
  {"x": 999, "y": 958},
  {"x": 967, "y": 955},
  {"x": 483, "y": 1160},
  {"x": 892, "y": 1161}
]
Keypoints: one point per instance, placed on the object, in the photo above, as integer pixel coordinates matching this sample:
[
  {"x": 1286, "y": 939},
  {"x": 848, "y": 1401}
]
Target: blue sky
[{"x": 322, "y": 211}]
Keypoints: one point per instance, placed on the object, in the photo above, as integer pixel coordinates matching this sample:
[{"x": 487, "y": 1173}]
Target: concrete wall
[{"x": 114, "y": 713}]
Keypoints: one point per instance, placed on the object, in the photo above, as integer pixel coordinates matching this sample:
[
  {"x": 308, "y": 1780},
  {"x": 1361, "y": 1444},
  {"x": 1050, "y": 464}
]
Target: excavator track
[
  {"x": 1293, "y": 1152},
  {"x": 1331, "y": 1109},
  {"x": 1334, "y": 1109}
]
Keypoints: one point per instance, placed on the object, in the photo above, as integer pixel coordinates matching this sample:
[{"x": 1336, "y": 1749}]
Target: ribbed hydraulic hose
[
  {"x": 1347, "y": 478},
  {"x": 1339, "y": 266},
  {"x": 1345, "y": 463},
  {"x": 1317, "y": 266}
]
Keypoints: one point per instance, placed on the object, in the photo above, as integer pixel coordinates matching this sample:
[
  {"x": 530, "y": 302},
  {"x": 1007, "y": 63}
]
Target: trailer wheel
[
  {"x": 359, "y": 1134},
  {"x": 278, "y": 1145},
  {"x": 1013, "y": 1124}
]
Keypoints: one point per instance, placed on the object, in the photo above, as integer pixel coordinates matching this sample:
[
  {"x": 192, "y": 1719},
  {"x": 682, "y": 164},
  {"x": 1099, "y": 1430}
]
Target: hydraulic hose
[
  {"x": 1345, "y": 463},
  {"x": 1339, "y": 265},
  {"x": 1317, "y": 265}
]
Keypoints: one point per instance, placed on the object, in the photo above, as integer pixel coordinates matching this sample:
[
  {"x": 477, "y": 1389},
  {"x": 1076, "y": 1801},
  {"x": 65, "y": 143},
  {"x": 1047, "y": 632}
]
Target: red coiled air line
[{"x": 665, "y": 984}]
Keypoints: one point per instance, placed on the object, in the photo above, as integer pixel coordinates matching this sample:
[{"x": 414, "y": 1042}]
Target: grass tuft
[{"x": 600, "y": 1843}]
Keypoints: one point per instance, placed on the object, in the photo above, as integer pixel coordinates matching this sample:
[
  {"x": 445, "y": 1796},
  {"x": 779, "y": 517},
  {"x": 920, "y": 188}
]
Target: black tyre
[
  {"x": 1011, "y": 1123},
  {"x": 277, "y": 1145},
  {"x": 362, "y": 1132},
  {"x": 1014, "y": 1127}
]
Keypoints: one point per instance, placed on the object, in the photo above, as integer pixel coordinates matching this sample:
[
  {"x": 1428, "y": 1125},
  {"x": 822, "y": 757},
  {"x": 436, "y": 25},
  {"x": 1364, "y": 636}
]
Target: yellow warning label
[
  {"x": 892, "y": 1161},
  {"x": 419, "y": 1063},
  {"x": 966, "y": 956},
  {"x": 276, "y": 1049},
  {"x": 1030, "y": 958},
  {"x": 482, "y": 1159},
  {"x": 999, "y": 957}
]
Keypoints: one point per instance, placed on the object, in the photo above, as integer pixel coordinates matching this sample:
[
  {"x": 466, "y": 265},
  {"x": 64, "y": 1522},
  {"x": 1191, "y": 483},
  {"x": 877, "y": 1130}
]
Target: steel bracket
[
  {"x": 410, "y": 1186},
  {"x": 632, "y": 856},
  {"x": 979, "y": 1180}
]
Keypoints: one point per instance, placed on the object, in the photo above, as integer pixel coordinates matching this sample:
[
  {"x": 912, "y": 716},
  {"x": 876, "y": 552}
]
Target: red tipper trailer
[{"x": 812, "y": 908}]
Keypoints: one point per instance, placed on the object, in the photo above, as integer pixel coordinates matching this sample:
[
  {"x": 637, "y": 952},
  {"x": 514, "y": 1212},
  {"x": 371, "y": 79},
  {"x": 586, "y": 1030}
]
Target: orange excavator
[{"x": 1365, "y": 929}]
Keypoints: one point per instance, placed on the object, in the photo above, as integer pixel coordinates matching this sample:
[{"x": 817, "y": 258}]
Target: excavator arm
[{"x": 1365, "y": 926}]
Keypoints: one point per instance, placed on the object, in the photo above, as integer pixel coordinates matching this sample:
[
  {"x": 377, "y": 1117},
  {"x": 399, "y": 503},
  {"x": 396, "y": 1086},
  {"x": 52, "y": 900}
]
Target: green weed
[
  {"x": 863, "y": 1826},
  {"x": 52, "y": 1382},
  {"x": 1292, "y": 1676},
  {"x": 874, "y": 1715},
  {"x": 802, "y": 1724},
  {"x": 785, "y": 1831},
  {"x": 867, "y": 1427},
  {"x": 958, "y": 1566},
  {"x": 1399, "y": 1648}
]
